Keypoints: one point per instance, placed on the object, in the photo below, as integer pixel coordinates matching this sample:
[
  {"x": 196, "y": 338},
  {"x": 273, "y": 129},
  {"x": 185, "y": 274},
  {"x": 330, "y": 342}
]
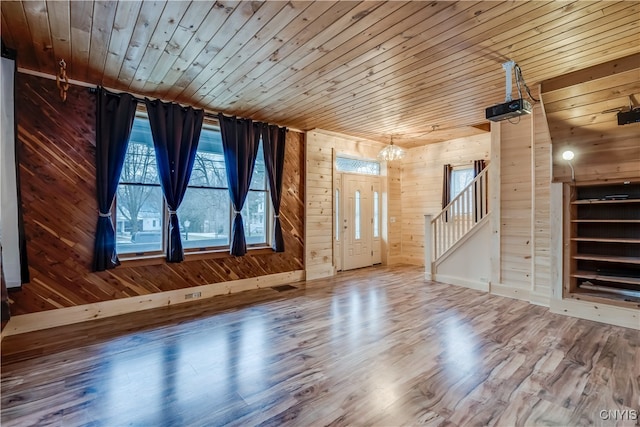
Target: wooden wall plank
[
  {"x": 515, "y": 203},
  {"x": 58, "y": 189}
]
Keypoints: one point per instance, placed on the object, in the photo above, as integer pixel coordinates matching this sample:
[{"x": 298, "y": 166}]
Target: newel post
[{"x": 428, "y": 248}]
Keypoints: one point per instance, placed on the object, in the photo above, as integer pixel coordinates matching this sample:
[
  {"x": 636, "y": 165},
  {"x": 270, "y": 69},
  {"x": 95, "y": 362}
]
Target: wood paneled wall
[
  {"x": 320, "y": 146},
  {"x": 422, "y": 170},
  {"x": 57, "y": 152},
  {"x": 581, "y": 109},
  {"x": 515, "y": 203},
  {"x": 541, "y": 290}
]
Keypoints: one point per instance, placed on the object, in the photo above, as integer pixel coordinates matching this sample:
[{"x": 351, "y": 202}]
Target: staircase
[{"x": 457, "y": 221}]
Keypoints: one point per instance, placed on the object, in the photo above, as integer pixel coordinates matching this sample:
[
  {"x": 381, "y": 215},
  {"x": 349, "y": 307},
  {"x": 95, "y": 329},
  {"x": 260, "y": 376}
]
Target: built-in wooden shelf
[
  {"x": 606, "y": 239},
  {"x": 608, "y": 258},
  {"x": 604, "y": 201},
  {"x": 590, "y": 275},
  {"x": 608, "y": 221},
  {"x": 604, "y": 297},
  {"x": 603, "y": 261}
]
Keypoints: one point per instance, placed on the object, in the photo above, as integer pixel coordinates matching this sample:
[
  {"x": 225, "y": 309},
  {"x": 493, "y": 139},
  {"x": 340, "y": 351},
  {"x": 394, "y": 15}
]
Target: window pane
[
  {"x": 460, "y": 178},
  {"x": 337, "y": 214},
  {"x": 254, "y": 215},
  {"x": 357, "y": 216},
  {"x": 140, "y": 160},
  {"x": 367, "y": 167},
  {"x": 139, "y": 218},
  {"x": 204, "y": 218},
  {"x": 376, "y": 213},
  {"x": 259, "y": 177},
  {"x": 208, "y": 168}
]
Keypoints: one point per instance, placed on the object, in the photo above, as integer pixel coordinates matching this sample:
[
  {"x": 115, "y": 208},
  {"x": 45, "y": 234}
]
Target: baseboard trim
[
  {"x": 319, "y": 271},
  {"x": 66, "y": 316},
  {"x": 603, "y": 313},
  {"x": 510, "y": 291},
  {"x": 459, "y": 281},
  {"x": 539, "y": 298}
]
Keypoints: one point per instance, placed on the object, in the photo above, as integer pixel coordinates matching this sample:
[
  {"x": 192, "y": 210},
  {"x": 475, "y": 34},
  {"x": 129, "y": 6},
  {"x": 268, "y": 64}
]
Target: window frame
[{"x": 212, "y": 251}]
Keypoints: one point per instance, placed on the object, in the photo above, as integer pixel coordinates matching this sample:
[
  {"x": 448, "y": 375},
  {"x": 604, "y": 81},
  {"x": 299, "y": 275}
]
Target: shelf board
[
  {"x": 606, "y": 239},
  {"x": 591, "y": 275},
  {"x": 601, "y": 201},
  {"x": 624, "y": 292},
  {"x": 609, "y": 221},
  {"x": 608, "y": 258},
  {"x": 602, "y": 297}
]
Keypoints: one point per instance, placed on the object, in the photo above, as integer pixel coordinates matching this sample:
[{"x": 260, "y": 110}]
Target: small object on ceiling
[
  {"x": 62, "y": 81},
  {"x": 511, "y": 107},
  {"x": 391, "y": 152},
  {"x": 628, "y": 117}
]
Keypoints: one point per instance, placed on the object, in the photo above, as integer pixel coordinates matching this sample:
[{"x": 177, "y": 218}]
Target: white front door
[{"x": 357, "y": 220}]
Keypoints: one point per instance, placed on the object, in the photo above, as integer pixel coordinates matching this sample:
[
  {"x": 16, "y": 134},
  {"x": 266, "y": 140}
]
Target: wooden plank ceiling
[
  {"x": 582, "y": 112},
  {"x": 420, "y": 71}
]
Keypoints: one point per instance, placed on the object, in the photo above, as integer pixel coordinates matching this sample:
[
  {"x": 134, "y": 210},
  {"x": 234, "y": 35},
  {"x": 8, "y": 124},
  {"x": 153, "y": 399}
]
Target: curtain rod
[{"x": 209, "y": 114}]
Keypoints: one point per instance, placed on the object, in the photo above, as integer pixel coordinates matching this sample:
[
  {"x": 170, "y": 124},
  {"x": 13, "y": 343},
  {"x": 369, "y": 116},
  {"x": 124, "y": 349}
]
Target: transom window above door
[{"x": 366, "y": 167}]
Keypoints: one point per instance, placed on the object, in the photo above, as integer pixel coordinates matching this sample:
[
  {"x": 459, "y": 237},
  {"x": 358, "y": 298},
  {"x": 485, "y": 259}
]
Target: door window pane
[
  {"x": 376, "y": 213},
  {"x": 337, "y": 214},
  {"x": 357, "y": 215}
]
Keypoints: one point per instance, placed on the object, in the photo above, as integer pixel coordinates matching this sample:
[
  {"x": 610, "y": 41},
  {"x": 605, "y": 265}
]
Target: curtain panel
[
  {"x": 446, "y": 187},
  {"x": 273, "y": 146},
  {"x": 478, "y": 166},
  {"x": 176, "y": 133},
  {"x": 240, "y": 141},
  {"x": 114, "y": 120}
]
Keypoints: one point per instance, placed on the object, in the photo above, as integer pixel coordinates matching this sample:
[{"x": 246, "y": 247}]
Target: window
[
  {"x": 460, "y": 178},
  {"x": 205, "y": 213},
  {"x": 140, "y": 203},
  {"x": 367, "y": 167}
]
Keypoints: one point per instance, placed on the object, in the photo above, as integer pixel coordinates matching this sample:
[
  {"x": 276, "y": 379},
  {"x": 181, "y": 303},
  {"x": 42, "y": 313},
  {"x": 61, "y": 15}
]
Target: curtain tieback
[
  {"x": 237, "y": 212},
  {"x": 104, "y": 215},
  {"x": 173, "y": 212},
  {"x": 276, "y": 216}
]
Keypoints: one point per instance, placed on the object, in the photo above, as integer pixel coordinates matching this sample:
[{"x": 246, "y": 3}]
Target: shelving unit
[{"x": 604, "y": 244}]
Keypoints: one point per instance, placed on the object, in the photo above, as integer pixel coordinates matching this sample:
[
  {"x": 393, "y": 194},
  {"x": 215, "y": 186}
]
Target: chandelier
[{"x": 391, "y": 152}]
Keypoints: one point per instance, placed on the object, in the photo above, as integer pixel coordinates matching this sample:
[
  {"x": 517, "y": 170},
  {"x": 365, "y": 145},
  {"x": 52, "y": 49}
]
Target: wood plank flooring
[{"x": 377, "y": 346}]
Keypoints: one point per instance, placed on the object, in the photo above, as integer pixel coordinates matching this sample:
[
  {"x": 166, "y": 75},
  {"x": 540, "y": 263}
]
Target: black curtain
[
  {"x": 478, "y": 166},
  {"x": 176, "y": 132},
  {"x": 240, "y": 140},
  {"x": 446, "y": 187},
  {"x": 114, "y": 119},
  {"x": 273, "y": 145}
]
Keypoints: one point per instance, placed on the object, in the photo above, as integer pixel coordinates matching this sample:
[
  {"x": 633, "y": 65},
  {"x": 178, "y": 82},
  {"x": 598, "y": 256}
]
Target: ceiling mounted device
[
  {"x": 391, "y": 152},
  {"x": 511, "y": 108},
  {"x": 631, "y": 116}
]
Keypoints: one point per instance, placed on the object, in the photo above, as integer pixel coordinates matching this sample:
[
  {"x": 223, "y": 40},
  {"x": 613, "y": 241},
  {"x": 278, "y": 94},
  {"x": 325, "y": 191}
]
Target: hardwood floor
[{"x": 377, "y": 346}]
